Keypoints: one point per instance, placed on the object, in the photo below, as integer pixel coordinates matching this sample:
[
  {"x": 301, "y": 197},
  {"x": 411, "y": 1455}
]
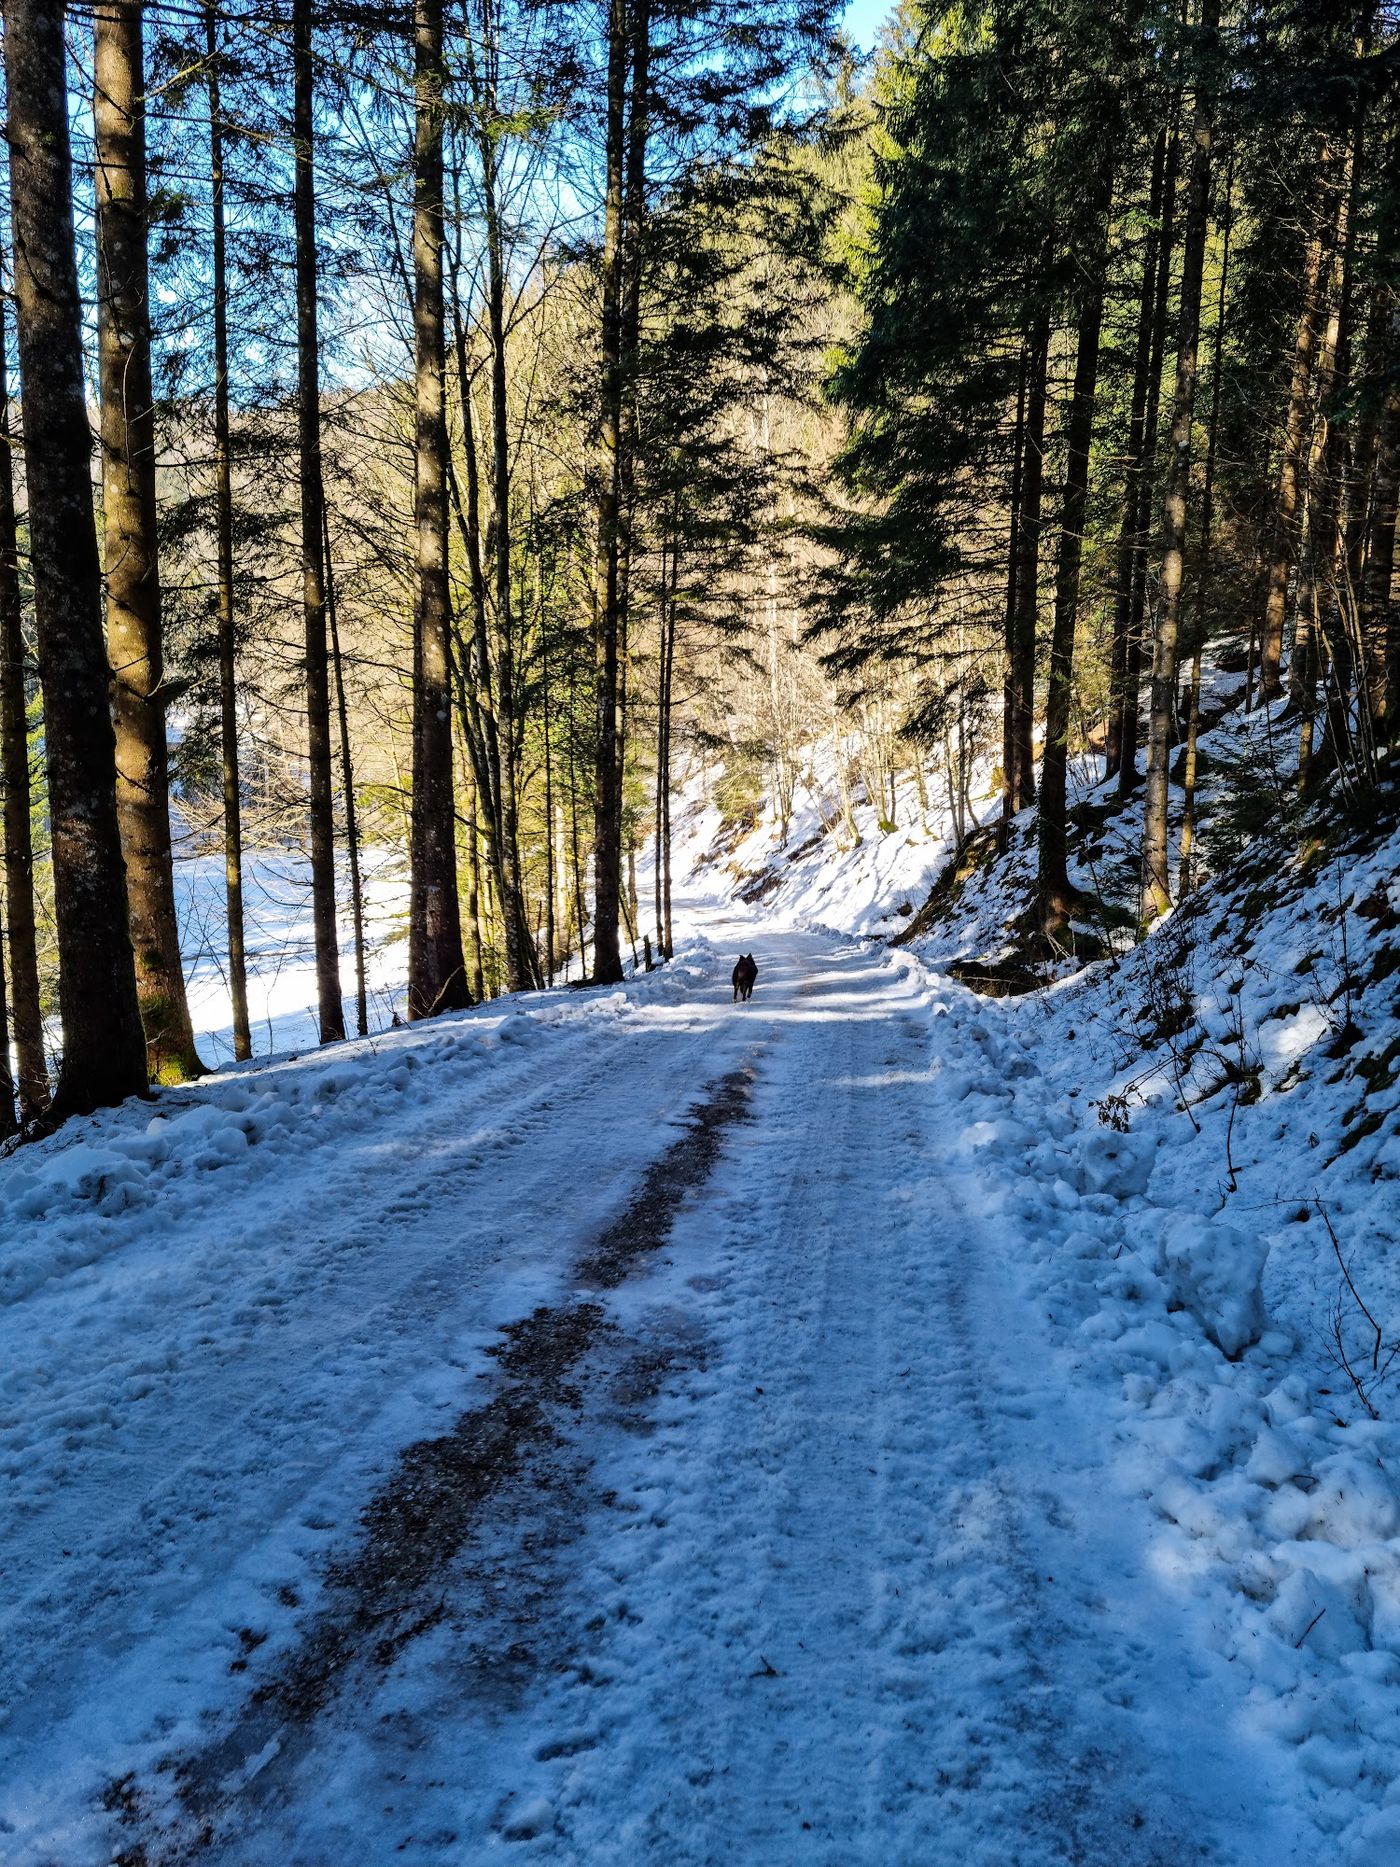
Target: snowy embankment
[
  {"x": 855, "y": 874},
  {"x": 1218, "y": 1265}
]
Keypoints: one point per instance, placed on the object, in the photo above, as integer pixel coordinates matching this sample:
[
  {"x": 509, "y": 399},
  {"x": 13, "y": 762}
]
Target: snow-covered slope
[{"x": 849, "y": 869}]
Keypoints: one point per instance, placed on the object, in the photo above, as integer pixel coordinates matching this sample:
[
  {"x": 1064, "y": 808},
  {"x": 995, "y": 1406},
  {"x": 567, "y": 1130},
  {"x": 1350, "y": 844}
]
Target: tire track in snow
[{"x": 391, "y": 1588}]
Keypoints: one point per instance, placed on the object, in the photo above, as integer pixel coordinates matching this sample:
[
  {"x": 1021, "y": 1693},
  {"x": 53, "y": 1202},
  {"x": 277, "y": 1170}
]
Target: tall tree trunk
[
  {"x": 9, "y": 1116},
  {"x": 26, "y": 1018},
  {"x": 522, "y": 969},
  {"x": 478, "y": 984},
  {"x": 1156, "y": 895},
  {"x": 330, "y": 1010},
  {"x": 1379, "y": 631},
  {"x": 104, "y": 1049},
  {"x": 607, "y": 816},
  {"x": 437, "y": 977},
  {"x": 228, "y": 634},
  {"x": 1028, "y": 573},
  {"x": 1198, "y": 633},
  {"x": 1013, "y": 552},
  {"x": 129, "y": 533},
  {"x": 347, "y": 779},
  {"x": 634, "y": 215},
  {"x": 1134, "y": 642},
  {"x": 550, "y": 876},
  {"x": 1133, "y": 465},
  {"x": 1055, "y": 897},
  {"x": 1315, "y": 639},
  {"x": 1287, "y": 510},
  {"x": 482, "y": 712}
]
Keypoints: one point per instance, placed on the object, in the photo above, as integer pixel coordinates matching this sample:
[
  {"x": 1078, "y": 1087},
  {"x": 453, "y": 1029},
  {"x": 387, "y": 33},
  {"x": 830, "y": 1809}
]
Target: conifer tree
[{"x": 104, "y": 1050}]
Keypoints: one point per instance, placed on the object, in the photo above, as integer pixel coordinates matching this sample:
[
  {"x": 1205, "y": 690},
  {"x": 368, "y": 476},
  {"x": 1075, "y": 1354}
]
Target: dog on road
[{"x": 744, "y": 974}]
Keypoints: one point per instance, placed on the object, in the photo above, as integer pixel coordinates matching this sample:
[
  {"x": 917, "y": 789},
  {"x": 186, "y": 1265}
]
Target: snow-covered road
[{"x": 805, "y": 1547}]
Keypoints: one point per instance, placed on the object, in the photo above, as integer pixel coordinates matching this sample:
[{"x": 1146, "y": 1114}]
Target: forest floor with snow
[{"x": 875, "y": 1423}]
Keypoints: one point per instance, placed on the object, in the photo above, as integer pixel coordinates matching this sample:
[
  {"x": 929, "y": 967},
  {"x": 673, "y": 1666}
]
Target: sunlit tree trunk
[
  {"x": 1135, "y": 643},
  {"x": 1133, "y": 471},
  {"x": 139, "y": 696},
  {"x": 437, "y": 978},
  {"x": 521, "y": 963},
  {"x": 1198, "y": 634},
  {"x": 1022, "y": 787},
  {"x": 330, "y": 1010},
  {"x": 1008, "y": 708},
  {"x": 347, "y": 780},
  {"x": 607, "y": 815},
  {"x": 104, "y": 1049},
  {"x": 1055, "y": 896},
  {"x": 1156, "y": 896},
  {"x": 1288, "y": 505}
]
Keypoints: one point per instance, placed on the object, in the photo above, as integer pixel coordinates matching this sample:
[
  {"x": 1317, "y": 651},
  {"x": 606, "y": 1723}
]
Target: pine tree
[
  {"x": 437, "y": 971},
  {"x": 139, "y": 692},
  {"x": 104, "y": 1050}
]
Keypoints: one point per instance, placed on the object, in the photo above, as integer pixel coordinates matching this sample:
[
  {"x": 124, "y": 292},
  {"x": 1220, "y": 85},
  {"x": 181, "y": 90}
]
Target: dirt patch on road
[
  {"x": 648, "y": 1219},
  {"x": 417, "y": 1530}
]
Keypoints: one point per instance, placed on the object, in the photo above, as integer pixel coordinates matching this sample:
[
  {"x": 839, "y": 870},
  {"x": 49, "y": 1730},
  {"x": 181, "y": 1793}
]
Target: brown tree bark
[
  {"x": 478, "y": 986},
  {"x": 1055, "y": 897},
  {"x": 139, "y": 694},
  {"x": 228, "y": 637},
  {"x": 104, "y": 1049},
  {"x": 1022, "y": 785},
  {"x": 1156, "y": 893},
  {"x": 437, "y": 976},
  {"x": 1008, "y": 709},
  {"x": 9, "y": 1116},
  {"x": 1134, "y": 463},
  {"x": 347, "y": 782},
  {"x": 1379, "y": 632},
  {"x": 607, "y": 816},
  {"x": 1137, "y": 610},
  {"x": 1198, "y": 633},
  {"x": 1318, "y": 634},
  {"x": 1287, "y": 511},
  {"x": 521, "y": 961},
  {"x": 26, "y": 1019},
  {"x": 330, "y": 1009}
]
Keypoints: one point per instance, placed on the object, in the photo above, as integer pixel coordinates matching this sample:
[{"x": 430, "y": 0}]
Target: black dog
[{"x": 745, "y": 972}]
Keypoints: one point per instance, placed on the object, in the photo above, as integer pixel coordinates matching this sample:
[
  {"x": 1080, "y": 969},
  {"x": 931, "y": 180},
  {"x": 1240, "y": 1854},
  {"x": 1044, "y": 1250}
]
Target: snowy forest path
[{"x": 791, "y": 1545}]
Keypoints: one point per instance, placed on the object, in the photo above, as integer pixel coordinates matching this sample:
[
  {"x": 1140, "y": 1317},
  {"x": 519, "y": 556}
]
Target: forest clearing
[{"x": 700, "y": 933}]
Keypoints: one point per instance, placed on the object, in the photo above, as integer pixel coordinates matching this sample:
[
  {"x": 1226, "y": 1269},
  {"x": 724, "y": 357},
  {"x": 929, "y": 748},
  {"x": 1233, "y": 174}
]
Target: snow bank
[
  {"x": 1182, "y": 1204},
  {"x": 147, "y": 1164}
]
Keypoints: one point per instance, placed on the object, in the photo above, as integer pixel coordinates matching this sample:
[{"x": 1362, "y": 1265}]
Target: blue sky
[{"x": 864, "y": 19}]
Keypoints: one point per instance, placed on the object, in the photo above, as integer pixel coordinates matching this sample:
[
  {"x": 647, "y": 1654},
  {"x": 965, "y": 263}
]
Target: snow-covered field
[
  {"x": 277, "y": 935},
  {"x": 873, "y": 1424}
]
